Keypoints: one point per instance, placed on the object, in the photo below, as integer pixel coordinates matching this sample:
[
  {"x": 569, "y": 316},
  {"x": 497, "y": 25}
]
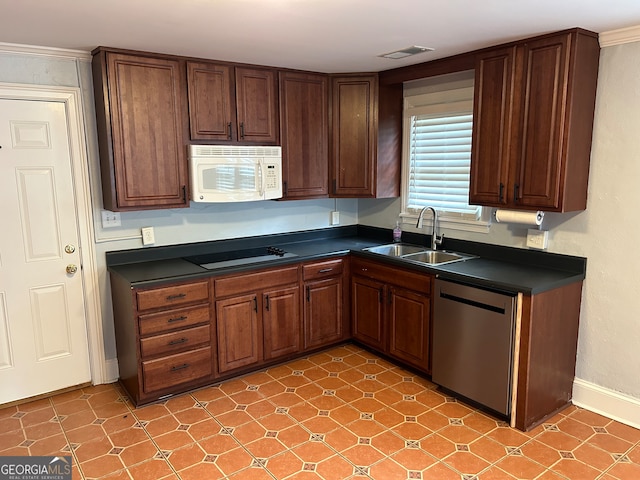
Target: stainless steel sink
[
  {"x": 396, "y": 249},
  {"x": 418, "y": 254},
  {"x": 434, "y": 257}
]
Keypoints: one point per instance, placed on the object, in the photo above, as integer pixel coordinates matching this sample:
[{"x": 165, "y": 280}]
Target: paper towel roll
[{"x": 523, "y": 218}]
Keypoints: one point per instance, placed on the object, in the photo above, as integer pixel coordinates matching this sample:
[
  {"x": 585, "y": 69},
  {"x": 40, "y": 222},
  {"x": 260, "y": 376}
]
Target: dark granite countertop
[{"x": 503, "y": 268}]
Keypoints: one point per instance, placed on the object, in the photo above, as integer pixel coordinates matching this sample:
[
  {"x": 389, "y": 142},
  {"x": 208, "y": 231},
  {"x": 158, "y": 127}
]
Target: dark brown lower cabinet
[
  {"x": 324, "y": 303},
  {"x": 257, "y": 317},
  {"x": 391, "y": 311}
]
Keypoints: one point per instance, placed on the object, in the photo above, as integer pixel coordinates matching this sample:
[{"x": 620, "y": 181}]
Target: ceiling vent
[{"x": 406, "y": 52}]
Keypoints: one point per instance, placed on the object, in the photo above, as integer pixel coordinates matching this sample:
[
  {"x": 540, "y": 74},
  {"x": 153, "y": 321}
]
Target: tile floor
[{"x": 343, "y": 413}]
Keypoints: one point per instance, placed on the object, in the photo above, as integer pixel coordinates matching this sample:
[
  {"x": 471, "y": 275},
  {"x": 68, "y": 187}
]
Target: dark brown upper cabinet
[
  {"x": 232, "y": 104},
  {"x": 365, "y": 137},
  {"x": 534, "y": 104},
  {"x": 304, "y": 127},
  {"x": 141, "y": 115}
]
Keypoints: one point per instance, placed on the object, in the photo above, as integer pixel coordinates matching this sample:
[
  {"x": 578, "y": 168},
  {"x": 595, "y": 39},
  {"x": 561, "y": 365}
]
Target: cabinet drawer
[
  {"x": 173, "y": 370},
  {"x": 256, "y": 281},
  {"x": 173, "y": 295},
  {"x": 153, "y": 323},
  {"x": 413, "y": 280},
  {"x": 168, "y": 343},
  {"x": 329, "y": 268}
]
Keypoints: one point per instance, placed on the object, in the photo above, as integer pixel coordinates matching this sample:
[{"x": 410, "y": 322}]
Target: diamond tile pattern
[{"x": 343, "y": 413}]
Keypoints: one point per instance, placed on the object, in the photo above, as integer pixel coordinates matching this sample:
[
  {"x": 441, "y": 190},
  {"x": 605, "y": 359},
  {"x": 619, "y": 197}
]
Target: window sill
[{"x": 475, "y": 226}]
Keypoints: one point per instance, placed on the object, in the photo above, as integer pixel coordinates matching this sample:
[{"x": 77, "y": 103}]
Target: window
[{"x": 437, "y": 154}]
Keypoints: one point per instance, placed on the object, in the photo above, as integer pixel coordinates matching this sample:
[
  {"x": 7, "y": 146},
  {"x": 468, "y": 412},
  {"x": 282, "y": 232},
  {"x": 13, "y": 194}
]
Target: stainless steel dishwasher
[{"x": 473, "y": 338}]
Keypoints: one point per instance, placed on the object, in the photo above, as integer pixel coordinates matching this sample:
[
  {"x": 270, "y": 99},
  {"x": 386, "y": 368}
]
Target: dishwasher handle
[{"x": 473, "y": 303}]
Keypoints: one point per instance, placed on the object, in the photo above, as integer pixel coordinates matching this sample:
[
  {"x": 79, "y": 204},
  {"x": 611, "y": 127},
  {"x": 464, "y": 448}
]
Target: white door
[{"x": 43, "y": 335}]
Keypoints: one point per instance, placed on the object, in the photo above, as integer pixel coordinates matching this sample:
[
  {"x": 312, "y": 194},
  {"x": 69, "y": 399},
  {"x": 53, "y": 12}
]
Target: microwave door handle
[{"x": 261, "y": 178}]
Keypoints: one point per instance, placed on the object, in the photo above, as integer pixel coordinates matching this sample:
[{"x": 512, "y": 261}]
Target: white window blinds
[{"x": 438, "y": 152}]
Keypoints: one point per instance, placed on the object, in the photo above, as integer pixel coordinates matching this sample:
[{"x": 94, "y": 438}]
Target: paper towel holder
[{"x": 530, "y": 218}]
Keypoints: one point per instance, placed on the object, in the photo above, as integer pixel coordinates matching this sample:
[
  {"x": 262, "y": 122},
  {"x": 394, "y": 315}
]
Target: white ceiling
[{"x": 318, "y": 35}]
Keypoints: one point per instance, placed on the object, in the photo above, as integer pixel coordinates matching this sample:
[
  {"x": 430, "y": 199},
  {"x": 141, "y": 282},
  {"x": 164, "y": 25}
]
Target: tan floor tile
[
  {"x": 368, "y": 405},
  {"x": 118, "y": 423},
  {"x": 200, "y": 471},
  {"x": 460, "y": 434},
  {"x": 162, "y": 425},
  {"x": 79, "y": 419},
  {"x": 286, "y": 400},
  {"x": 413, "y": 459},
  {"x": 437, "y": 445},
  {"x": 309, "y": 391},
  {"x": 389, "y": 378},
  {"x": 254, "y": 473},
  {"x": 312, "y": 452},
  {"x": 590, "y": 418},
  {"x": 249, "y": 432},
  {"x": 576, "y": 469},
  {"x": 439, "y": 471},
  {"x": 279, "y": 371},
  {"x": 42, "y": 430},
  {"x": 326, "y": 401},
  {"x": 521, "y": 467},
  {"x": 625, "y": 471},
  {"x": 480, "y": 422},
  {"x": 234, "y": 418},
  {"x": 185, "y": 457},
  {"x": 36, "y": 417},
  {"x": 93, "y": 449},
  {"x": 609, "y": 443},
  {"x": 487, "y": 449},
  {"x": 7, "y": 412},
  {"x": 221, "y": 406},
  {"x": 317, "y": 373},
  {"x": 152, "y": 470},
  {"x": 363, "y": 455},
  {"x": 335, "y": 467},
  {"x": 349, "y": 394},
  {"x": 257, "y": 378},
  {"x": 191, "y": 415},
  {"x": 218, "y": 444},
  {"x": 247, "y": 397},
  {"x": 623, "y": 431},
  {"x": 598, "y": 459},
  {"x": 410, "y": 407},
  {"x": 276, "y": 422},
  {"x": 388, "y": 417},
  {"x": 293, "y": 436},
  {"x": 138, "y": 453},
  {"x": 541, "y": 453},
  {"x": 365, "y": 428},
  {"x": 411, "y": 431},
  {"x": 453, "y": 410},
  {"x": 34, "y": 405},
  {"x": 151, "y": 412},
  {"x": 294, "y": 381},
  {"x": 320, "y": 424},
  {"x": 173, "y": 440},
  {"x": 387, "y": 468},
  {"x": 234, "y": 460},
  {"x": 49, "y": 446},
  {"x": 389, "y": 396},
  {"x": 126, "y": 438},
  {"x": 179, "y": 403},
  {"x": 85, "y": 433},
  {"x": 285, "y": 464},
  {"x": 494, "y": 473},
  {"x": 229, "y": 387},
  {"x": 341, "y": 439},
  {"x": 8, "y": 424},
  {"x": 351, "y": 376},
  {"x": 508, "y": 437},
  {"x": 209, "y": 394},
  {"x": 101, "y": 466},
  {"x": 119, "y": 475},
  {"x": 575, "y": 428}
]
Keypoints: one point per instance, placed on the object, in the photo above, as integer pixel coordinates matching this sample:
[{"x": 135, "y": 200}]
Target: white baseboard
[{"x": 612, "y": 404}]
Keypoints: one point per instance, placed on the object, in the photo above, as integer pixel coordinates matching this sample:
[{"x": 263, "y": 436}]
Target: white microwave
[{"x": 225, "y": 173}]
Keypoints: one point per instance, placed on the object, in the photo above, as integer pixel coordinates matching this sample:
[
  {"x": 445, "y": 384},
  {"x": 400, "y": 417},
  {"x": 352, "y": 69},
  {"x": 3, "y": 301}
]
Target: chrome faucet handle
[{"x": 439, "y": 239}]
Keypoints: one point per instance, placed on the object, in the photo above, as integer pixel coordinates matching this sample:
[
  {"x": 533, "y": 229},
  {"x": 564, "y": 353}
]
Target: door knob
[
  {"x": 70, "y": 248},
  {"x": 71, "y": 269}
]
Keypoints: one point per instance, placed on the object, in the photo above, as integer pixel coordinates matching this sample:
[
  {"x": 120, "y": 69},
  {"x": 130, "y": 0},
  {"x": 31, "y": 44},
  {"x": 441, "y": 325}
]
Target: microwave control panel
[{"x": 272, "y": 177}]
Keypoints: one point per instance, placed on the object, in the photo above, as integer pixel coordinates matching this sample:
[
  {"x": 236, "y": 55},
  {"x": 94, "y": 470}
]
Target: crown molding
[
  {"x": 44, "y": 51},
  {"x": 620, "y": 36}
]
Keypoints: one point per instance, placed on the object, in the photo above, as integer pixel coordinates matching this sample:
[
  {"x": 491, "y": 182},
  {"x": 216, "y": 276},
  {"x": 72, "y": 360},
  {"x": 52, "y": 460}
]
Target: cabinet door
[
  {"x": 354, "y": 139},
  {"x": 281, "y": 320},
  {"x": 238, "y": 332},
  {"x": 141, "y": 133},
  {"x": 367, "y": 297},
  {"x": 257, "y": 105},
  {"x": 304, "y": 129},
  {"x": 212, "y": 112},
  {"x": 492, "y": 127},
  {"x": 540, "y": 152},
  {"x": 323, "y": 312},
  {"x": 409, "y": 315}
]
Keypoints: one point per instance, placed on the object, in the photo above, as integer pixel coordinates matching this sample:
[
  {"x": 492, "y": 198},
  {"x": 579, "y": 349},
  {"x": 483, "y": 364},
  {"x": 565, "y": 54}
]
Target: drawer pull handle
[
  {"x": 177, "y": 319},
  {"x": 177, "y": 368},
  {"x": 325, "y": 270},
  {"x": 179, "y": 341},
  {"x": 176, "y": 297}
]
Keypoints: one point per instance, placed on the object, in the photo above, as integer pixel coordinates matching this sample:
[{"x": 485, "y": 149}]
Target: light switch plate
[{"x": 538, "y": 239}]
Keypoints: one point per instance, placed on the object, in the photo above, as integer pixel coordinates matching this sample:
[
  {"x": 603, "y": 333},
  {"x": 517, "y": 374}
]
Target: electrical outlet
[
  {"x": 148, "y": 238},
  {"x": 110, "y": 219},
  {"x": 335, "y": 218},
  {"x": 537, "y": 239}
]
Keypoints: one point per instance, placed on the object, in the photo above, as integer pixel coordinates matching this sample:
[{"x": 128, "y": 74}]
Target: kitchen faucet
[{"x": 435, "y": 239}]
